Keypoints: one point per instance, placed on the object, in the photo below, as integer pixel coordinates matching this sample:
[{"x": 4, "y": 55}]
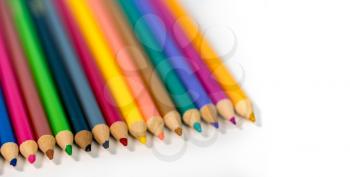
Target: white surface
[{"x": 295, "y": 58}]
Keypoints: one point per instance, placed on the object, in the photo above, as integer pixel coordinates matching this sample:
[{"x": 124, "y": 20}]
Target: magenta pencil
[
  {"x": 216, "y": 93},
  {"x": 109, "y": 109},
  {"x": 15, "y": 104}
]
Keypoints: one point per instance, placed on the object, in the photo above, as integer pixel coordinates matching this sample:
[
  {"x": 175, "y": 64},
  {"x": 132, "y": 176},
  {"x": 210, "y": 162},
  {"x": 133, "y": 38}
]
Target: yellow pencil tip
[
  {"x": 252, "y": 117},
  {"x": 142, "y": 139}
]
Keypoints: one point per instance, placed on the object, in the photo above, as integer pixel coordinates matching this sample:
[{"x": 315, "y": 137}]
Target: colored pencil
[
  {"x": 151, "y": 79},
  {"x": 241, "y": 102},
  {"x": 8, "y": 146},
  {"x": 124, "y": 59},
  {"x": 35, "y": 56},
  {"x": 214, "y": 90},
  {"x": 165, "y": 70},
  {"x": 111, "y": 113},
  {"x": 83, "y": 136},
  {"x": 43, "y": 134},
  {"x": 104, "y": 58},
  {"x": 15, "y": 104},
  {"x": 177, "y": 59},
  {"x": 88, "y": 102}
]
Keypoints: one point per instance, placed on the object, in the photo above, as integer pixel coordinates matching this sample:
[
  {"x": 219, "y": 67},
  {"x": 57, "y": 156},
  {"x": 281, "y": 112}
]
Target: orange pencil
[{"x": 124, "y": 58}]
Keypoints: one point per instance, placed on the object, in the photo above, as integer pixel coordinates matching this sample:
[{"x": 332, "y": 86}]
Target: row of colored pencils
[{"x": 78, "y": 70}]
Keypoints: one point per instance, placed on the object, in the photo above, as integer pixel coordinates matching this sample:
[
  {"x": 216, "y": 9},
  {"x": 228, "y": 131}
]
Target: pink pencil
[
  {"x": 124, "y": 58},
  {"x": 111, "y": 113},
  {"x": 15, "y": 104},
  {"x": 216, "y": 93}
]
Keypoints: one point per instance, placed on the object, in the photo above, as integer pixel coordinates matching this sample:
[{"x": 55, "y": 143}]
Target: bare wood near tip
[
  {"x": 83, "y": 139},
  {"x": 9, "y": 151},
  {"x": 138, "y": 129},
  {"x": 225, "y": 109},
  {"x": 191, "y": 117},
  {"x": 155, "y": 125},
  {"x": 119, "y": 130},
  {"x": 64, "y": 138},
  {"x": 28, "y": 148},
  {"x": 209, "y": 113},
  {"x": 46, "y": 143},
  {"x": 172, "y": 120},
  {"x": 101, "y": 133}
]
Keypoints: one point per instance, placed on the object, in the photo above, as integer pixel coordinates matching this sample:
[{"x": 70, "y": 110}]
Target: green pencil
[{"x": 42, "y": 76}]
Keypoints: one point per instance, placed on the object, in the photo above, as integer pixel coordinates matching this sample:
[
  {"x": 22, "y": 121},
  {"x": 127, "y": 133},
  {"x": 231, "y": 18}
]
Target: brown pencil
[
  {"x": 152, "y": 81},
  {"x": 43, "y": 134}
]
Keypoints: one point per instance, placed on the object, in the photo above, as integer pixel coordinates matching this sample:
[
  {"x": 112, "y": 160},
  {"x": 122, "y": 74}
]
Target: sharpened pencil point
[
  {"x": 252, "y": 117},
  {"x": 88, "y": 148},
  {"x": 142, "y": 139},
  {"x": 233, "y": 120},
  {"x": 215, "y": 124},
  {"x": 178, "y": 131},
  {"x": 124, "y": 141},
  {"x": 106, "y": 144},
  {"x": 69, "y": 149},
  {"x": 197, "y": 126},
  {"x": 31, "y": 158},
  {"x": 161, "y": 136},
  {"x": 13, "y": 162},
  {"x": 49, "y": 154}
]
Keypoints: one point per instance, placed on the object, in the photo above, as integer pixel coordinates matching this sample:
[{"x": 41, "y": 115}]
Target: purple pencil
[
  {"x": 216, "y": 93},
  {"x": 111, "y": 113}
]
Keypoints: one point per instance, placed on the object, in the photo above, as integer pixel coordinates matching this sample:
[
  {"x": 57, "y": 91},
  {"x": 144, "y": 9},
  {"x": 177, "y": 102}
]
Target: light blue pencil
[{"x": 93, "y": 114}]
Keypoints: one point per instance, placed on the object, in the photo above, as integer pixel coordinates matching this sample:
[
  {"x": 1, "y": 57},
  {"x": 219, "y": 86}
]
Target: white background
[{"x": 293, "y": 60}]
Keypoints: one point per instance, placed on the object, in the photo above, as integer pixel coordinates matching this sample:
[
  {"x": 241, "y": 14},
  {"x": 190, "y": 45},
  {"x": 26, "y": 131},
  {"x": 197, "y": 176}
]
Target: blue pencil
[
  {"x": 93, "y": 114},
  {"x": 9, "y": 148},
  {"x": 178, "y": 60},
  {"x": 81, "y": 129}
]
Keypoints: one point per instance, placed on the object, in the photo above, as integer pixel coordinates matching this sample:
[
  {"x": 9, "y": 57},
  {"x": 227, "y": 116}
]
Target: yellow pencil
[
  {"x": 241, "y": 102},
  {"x": 105, "y": 60}
]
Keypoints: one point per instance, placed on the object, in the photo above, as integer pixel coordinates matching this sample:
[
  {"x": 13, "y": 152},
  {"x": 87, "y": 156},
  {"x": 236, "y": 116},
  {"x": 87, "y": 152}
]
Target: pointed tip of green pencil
[
  {"x": 197, "y": 126},
  {"x": 69, "y": 149}
]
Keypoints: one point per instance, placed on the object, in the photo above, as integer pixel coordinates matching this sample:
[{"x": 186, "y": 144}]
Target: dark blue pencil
[
  {"x": 9, "y": 148},
  {"x": 83, "y": 136},
  {"x": 94, "y": 116}
]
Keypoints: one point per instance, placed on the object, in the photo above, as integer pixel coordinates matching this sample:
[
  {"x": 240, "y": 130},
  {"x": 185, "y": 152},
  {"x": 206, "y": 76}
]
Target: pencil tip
[
  {"x": 161, "y": 136},
  {"x": 197, "y": 126},
  {"x": 252, "y": 117},
  {"x": 13, "y": 162},
  {"x": 124, "y": 141},
  {"x": 106, "y": 144},
  {"x": 215, "y": 124},
  {"x": 233, "y": 120},
  {"x": 69, "y": 149},
  {"x": 88, "y": 148},
  {"x": 31, "y": 158},
  {"x": 143, "y": 139},
  {"x": 49, "y": 154},
  {"x": 178, "y": 131}
]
